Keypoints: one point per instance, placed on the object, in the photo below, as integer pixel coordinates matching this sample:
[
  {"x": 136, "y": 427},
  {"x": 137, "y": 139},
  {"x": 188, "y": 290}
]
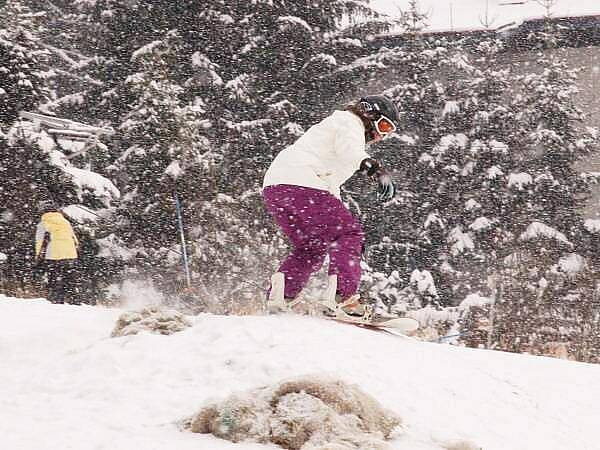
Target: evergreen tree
[
  {"x": 481, "y": 157},
  {"x": 22, "y": 81},
  {"x": 546, "y": 269},
  {"x": 164, "y": 151}
]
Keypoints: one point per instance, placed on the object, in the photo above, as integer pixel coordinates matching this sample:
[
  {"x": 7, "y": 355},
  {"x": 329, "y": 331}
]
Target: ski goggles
[{"x": 384, "y": 126}]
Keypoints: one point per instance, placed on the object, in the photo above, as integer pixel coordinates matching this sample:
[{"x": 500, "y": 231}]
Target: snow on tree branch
[
  {"x": 481, "y": 223},
  {"x": 519, "y": 180},
  {"x": 460, "y": 241},
  {"x": 291, "y": 23},
  {"x": 592, "y": 225},
  {"x": 537, "y": 229}
]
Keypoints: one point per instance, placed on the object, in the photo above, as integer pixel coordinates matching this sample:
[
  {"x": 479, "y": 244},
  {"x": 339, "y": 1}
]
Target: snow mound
[
  {"x": 304, "y": 413},
  {"x": 153, "y": 320}
]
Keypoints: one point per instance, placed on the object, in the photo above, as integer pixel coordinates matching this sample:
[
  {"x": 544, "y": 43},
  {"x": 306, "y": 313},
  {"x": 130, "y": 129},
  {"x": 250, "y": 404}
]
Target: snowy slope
[{"x": 64, "y": 384}]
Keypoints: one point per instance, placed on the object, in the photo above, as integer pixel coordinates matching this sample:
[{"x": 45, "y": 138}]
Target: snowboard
[
  {"x": 400, "y": 326},
  {"x": 329, "y": 309}
]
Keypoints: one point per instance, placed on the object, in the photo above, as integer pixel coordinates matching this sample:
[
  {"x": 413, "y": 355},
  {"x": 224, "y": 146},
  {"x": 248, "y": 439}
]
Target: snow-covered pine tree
[
  {"x": 23, "y": 82},
  {"x": 548, "y": 289},
  {"x": 163, "y": 153},
  {"x": 471, "y": 142},
  {"x": 507, "y": 198},
  {"x": 468, "y": 159}
]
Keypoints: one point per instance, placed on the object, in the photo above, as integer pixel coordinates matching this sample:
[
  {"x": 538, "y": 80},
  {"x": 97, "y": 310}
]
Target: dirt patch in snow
[
  {"x": 301, "y": 414},
  {"x": 153, "y": 320}
]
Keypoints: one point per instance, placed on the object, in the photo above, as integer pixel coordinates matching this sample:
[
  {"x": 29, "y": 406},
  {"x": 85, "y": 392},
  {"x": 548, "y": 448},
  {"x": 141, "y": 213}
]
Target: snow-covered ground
[{"x": 65, "y": 384}]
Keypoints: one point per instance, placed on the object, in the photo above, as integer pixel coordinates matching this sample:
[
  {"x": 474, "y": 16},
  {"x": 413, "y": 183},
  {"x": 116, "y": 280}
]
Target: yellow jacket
[{"x": 62, "y": 243}]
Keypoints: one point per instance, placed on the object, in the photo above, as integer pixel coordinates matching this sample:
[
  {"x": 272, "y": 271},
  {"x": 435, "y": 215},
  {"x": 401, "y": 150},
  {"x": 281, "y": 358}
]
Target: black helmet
[{"x": 377, "y": 105}]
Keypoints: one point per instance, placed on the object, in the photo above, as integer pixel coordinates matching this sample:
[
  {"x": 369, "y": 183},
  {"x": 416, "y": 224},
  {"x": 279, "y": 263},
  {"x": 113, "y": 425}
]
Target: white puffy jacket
[{"x": 324, "y": 157}]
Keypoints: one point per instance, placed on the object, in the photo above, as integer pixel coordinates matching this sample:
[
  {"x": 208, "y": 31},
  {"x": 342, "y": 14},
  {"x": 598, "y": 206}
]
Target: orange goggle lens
[{"x": 383, "y": 125}]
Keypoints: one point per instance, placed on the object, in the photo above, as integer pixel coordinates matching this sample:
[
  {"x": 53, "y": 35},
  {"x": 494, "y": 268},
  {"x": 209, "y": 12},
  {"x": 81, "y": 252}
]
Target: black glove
[{"x": 373, "y": 169}]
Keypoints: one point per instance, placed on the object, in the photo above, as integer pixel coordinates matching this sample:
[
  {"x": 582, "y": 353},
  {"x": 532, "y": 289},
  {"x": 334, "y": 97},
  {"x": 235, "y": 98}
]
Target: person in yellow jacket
[{"x": 56, "y": 249}]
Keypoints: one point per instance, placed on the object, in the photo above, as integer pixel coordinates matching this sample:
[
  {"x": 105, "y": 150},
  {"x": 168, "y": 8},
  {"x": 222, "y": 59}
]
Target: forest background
[{"x": 484, "y": 240}]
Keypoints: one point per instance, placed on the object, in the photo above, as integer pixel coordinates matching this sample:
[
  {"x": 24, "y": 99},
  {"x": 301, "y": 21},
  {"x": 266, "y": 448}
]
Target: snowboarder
[
  {"x": 301, "y": 190},
  {"x": 56, "y": 249}
]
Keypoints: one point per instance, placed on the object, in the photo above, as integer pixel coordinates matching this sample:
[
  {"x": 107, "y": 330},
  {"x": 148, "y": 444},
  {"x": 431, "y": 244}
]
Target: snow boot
[
  {"x": 276, "y": 301},
  {"x": 333, "y": 305},
  {"x": 350, "y": 307}
]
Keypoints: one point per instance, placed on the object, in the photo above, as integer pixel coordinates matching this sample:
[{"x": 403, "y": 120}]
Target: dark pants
[
  {"x": 317, "y": 224},
  {"x": 60, "y": 281}
]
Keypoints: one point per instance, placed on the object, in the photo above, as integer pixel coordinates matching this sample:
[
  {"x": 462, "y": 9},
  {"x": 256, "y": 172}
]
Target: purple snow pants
[{"x": 317, "y": 223}]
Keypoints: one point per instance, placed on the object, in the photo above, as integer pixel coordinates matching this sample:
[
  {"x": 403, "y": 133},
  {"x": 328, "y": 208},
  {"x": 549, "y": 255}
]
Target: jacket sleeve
[
  {"x": 75, "y": 240},
  {"x": 40, "y": 232}
]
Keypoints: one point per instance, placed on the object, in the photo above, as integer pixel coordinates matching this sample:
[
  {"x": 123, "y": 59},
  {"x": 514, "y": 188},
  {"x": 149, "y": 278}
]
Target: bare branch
[{"x": 547, "y": 5}]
